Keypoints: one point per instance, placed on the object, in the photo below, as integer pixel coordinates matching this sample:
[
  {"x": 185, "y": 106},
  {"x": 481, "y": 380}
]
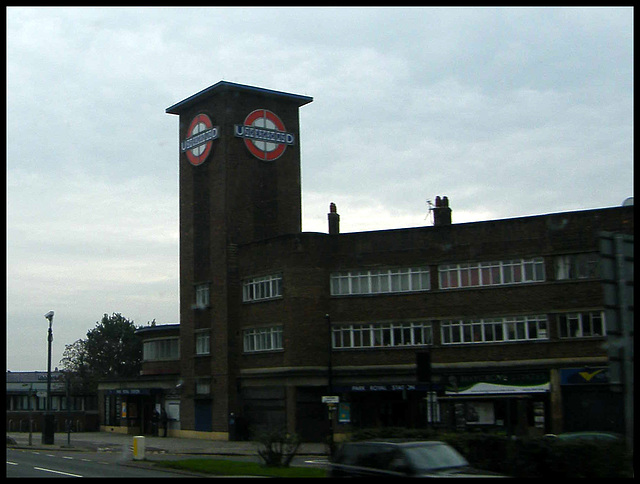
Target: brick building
[
  {"x": 507, "y": 315},
  {"x": 143, "y": 404},
  {"x": 26, "y": 403}
]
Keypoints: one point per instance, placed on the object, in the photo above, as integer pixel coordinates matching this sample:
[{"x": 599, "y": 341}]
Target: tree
[
  {"x": 76, "y": 369},
  {"x": 111, "y": 350}
]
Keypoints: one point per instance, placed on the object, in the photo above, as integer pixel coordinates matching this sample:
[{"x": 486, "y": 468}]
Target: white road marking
[{"x": 57, "y": 472}]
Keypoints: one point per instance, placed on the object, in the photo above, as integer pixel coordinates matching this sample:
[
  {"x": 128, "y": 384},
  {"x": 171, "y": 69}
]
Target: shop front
[
  {"x": 514, "y": 402},
  {"x": 588, "y": 402},
  {"x": 135, "y": 409},
  {"x": 132, "y": 411},
  {"x": 407, "y": 405}
]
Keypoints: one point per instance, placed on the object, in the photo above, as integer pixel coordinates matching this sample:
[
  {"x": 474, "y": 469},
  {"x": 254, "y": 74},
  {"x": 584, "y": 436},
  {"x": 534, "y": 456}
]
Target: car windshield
[{"x": 434, "y": 456}]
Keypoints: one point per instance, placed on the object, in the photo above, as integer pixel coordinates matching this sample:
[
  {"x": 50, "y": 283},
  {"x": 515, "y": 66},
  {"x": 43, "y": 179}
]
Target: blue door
[{"x": 203, "y": 415}]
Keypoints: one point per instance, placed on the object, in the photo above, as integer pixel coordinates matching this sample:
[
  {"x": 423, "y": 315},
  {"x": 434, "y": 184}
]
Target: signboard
[
  {"x": 264, "y": 134},
  {"x": 198, "y": 143},
  {"x": 344, "y": 413},
  {"x": 331, "y": 399},
  {"x": 498, "y": 383},
  {"x": 584, "y": 376},
  {"x": 386, "y": 387}
]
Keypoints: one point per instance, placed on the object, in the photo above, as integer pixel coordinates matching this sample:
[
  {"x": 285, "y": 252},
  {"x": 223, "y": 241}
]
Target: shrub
[
  {"x": 277, "y": 447},
  {"x": 523, "y": 457}
]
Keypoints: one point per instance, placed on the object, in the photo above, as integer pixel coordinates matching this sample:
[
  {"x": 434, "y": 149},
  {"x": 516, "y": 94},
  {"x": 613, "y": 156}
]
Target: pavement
[{"x": 153, "y": 446}]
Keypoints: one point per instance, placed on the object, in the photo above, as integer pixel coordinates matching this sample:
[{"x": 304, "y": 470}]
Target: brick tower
[{"x": 239, "y": 182}]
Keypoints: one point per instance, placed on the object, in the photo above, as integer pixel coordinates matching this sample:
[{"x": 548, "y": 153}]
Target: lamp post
[
  {"x": 47, "y": 428},
  {"x": 330, "y": 406},
  {"x": 29, "y": 406}
]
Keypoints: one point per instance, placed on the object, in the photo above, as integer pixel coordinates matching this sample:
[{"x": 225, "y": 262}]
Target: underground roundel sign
[
  {"x": 264, "y": 135},
  {"x": 200, "y": 135}
]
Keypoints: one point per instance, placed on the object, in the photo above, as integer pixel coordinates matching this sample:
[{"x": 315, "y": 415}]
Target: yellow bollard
[{"x": 138, "y": 447}]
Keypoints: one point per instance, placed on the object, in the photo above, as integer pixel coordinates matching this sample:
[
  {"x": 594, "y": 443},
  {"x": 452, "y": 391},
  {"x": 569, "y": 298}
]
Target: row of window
[
  {"x": 373, "y": 335},
  {"x": 380, "y": 281},
  {"x": 161, "y": 349},
  {"x": 58, "y": 402},
  {"x": 521, "y": 328},
  {"x": 262, "y": 339},
  {"x": 413, "y": 279},
  {"x": 451, "y": 276},
  {"x": 415, "y": 333},
  {"x": 495, "y": 273},
  {"x": 256, "y": 289},
  {"x": 489, "y": 330},
  {"x": 259, "y": 288}
]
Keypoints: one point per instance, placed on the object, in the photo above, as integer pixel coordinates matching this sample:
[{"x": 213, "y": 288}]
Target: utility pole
[{"x": 616, "y": 264}]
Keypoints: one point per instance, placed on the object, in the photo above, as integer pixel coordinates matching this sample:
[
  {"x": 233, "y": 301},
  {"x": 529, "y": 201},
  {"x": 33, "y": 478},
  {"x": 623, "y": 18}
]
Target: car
[
  {"x": 599, "y": 436},
  {"x": 401, "y": 459}
]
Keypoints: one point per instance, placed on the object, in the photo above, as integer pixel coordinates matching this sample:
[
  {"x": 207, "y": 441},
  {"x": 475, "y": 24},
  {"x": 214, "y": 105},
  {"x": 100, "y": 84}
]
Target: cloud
[{"x": 507, "y": 111}]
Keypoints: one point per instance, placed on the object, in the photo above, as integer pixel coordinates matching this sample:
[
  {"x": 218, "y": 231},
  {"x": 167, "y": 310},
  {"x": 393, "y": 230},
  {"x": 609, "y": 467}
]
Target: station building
[
  {"x": 494, "y": 324},
  {"x": 26, "y": 403},
  {"x": 505, "y": 317}
]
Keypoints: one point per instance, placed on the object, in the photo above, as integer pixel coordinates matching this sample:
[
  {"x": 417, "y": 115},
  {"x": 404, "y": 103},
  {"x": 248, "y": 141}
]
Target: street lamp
[
  {"x": 47, "y": 428},
  {"x": 29, "y": 405},
  {"x": 330, "y": 406}
]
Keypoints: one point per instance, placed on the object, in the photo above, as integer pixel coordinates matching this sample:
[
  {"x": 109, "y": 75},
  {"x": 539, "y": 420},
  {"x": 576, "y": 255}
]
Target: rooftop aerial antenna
[{"x": 430, "y": 212}]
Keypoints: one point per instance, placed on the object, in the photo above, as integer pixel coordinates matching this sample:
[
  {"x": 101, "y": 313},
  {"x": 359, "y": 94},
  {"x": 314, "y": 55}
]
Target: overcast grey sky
[{"x": 507, "y": 111}]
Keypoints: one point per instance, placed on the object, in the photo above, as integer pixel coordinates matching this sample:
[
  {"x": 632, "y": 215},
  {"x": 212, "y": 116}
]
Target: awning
[{"x": 495, "y": 389}]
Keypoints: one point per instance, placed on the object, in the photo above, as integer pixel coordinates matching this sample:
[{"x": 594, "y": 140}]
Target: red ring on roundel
[
  {"x": 257, "y": 152},
  {"x": 196, "y": 155}
]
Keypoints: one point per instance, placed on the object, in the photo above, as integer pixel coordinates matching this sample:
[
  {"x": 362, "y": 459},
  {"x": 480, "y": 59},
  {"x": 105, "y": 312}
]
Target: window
[
  {"x": 202, "y": 296},
  {"x": 581, "y": 325},
  {"x": 202, "y": 343},
  {"x": 490, "y": 330},
  {"x": 203, "y": 386},
  {"x": 516, "y": 271},
  {"x": 380, "y": 281},
  {"x": 577, "y": 266},
  {"x": 161, "y": 349},
  {"x": 261, "y": 288},
  {"x": 262, "y": 339},
  {"x": 371, "y": 335}
]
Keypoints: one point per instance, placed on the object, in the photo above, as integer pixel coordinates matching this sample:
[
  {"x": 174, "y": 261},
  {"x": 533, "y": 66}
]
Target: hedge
[{"x": 523, "y": 457}]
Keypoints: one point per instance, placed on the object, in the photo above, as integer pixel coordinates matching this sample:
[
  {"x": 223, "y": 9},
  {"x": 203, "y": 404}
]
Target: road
[{"x": 38, "y": 463}]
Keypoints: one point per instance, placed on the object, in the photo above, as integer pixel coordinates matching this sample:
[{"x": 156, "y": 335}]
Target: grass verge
[{"x": 220, "y": 467}]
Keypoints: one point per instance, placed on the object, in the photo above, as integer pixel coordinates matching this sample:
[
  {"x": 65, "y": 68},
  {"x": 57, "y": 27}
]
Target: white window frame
[
  {"x": 494, "y": 273},
  {"x": 203, "y": 342},
  {"x": 258, "y": 340},
  {"x": 359, "y": 282},
  {"x": 202, "y": 296},
  {"x": 378, "y": 335},
  {"x": 203, "y": 386},
  {"x": 494, "y": 330},
  {"x": 577, "y": 266},
  {"x": 262, "y": 288},
  {"x": 161, "y": 349},
  {"x": 581, "y": 324}
]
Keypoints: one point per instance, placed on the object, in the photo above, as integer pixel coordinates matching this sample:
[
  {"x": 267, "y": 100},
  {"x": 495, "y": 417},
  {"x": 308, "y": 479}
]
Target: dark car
[
  {"x": 597, "y": 436},
  {"x": 401, "y": 459}
]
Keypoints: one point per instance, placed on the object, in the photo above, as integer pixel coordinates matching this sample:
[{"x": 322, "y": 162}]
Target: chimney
[
  {"x": 441, "y": 212},
  {"x": 334, "y": 220}
]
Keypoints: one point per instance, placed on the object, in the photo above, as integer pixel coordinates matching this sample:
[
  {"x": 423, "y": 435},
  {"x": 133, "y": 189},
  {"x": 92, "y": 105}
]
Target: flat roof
[
  {"x": 226, "y": 85},
  {"x": 158, "y": 327}
]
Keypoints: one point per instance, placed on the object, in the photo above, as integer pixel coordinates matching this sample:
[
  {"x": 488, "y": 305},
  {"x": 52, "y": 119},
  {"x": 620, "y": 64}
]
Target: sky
[{"x": 508, "y": 112}]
